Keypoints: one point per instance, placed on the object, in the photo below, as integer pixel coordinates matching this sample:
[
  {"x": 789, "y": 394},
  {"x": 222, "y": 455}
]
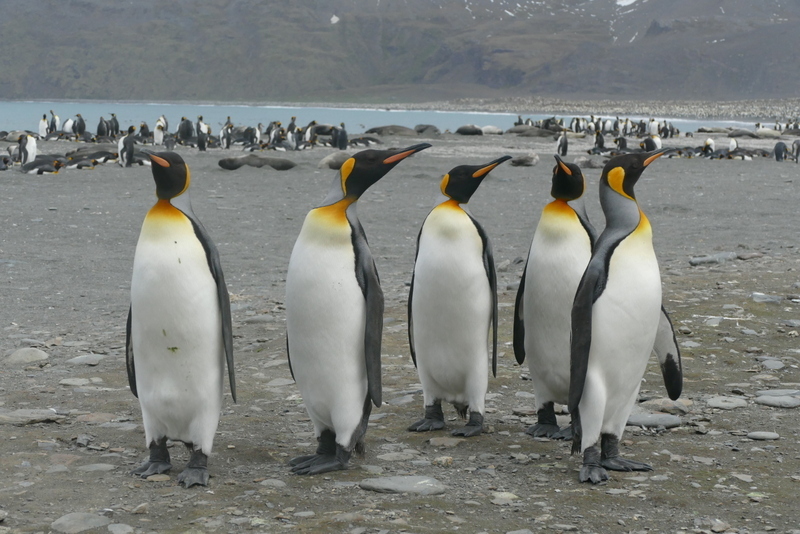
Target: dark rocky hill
[{"x": 400, "y": 50}]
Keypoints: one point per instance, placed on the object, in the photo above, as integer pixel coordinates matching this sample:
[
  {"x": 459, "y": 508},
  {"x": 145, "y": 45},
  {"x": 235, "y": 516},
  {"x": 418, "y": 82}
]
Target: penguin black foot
[
  {"x": 330, "y": 456},
  {"x": 591, "y": 470},
  {"x": 434, "y": 419},
  {"x": 196, "y": 472},
  {"x": 474, "y": 426},
  {"x": 157, "y": 463},
  {"x": 610, "y": 458},
  {"x": 546, "y": 425},
  {"x": 565, "y": 434}
]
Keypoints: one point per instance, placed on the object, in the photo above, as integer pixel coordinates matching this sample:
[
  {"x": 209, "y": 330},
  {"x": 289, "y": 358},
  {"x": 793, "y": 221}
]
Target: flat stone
[
  {"x": 778, "y": 392},
  {"x": 273, "y": 483},
  {"x": 26, "y": 355},
  {"x": 86, "y": 359},
  {"x": 96, "y": 418},
  {"x": 58, "y": 468},
  {"x": 404, "y": 484},
  {"x": 778, "y": 401},
  {"x": 726, "y": 403},
  {"x": 120, "y": 528},
  {"x": 97, "y": 467},
  {"x": 306, "y": 513},
  {"x": 703, "y": 460},
  {"x": 445, "y": 443},
  {"x": 79, "y": 522},
  {"x": 75, "y": 382},
  {"x": 280, "y": 382},
  {"x": 688, "y": 344},
  {"x": 397, "y": 456},
  {"x": 125, "y": 427},
  {"x": 503, "y": 498},
  {"x": 763, "y": 436},
  {"x": 743, "y": 478},
  {"x": 654, "y": 420},
  {"x": 160, "y": 477},
  {"x": 773, "y": 364},
  {"x": 400, "y": 401},
  {"x": 674, "y": 407},
  {"x": 24, "y": 416},
  {"x": 762, "y": 297}
]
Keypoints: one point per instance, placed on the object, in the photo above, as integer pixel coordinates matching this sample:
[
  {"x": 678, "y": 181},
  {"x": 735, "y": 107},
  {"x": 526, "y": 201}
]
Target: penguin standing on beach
[
  {"x": 334, "y": 315},
  {"x": 125, "y": 148},
  {"x": 617, "y": 320},
  {"x": 55, "y": 122},
  {"x": 179, "y": 337},
  {"x": 27, "y": 149},
  {"x": 43, "y": 126},
  {"x": 562, "y": 144},
  {"x": 560, "y": 250},
  {"x": 452, "y": 304}
]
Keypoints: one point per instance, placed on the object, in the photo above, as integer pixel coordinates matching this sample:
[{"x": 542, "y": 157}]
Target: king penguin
[
  {"x": 334, "y": 315},
  {"x": 617, "y": 320},
  {"x": 179, "y": 336},
  {"x": 560, "y": 250},
  {"x": 452, "y": 304}
]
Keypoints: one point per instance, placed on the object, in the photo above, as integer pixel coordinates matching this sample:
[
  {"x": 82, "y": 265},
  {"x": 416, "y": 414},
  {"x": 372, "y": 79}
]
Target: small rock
[
  {"x": 307, "y": 513},
  {"x": 443, "y": 461},
  {"x": 726, "y": 403},
  {"x": 703, "y": 460},
  {"x": 654, "y": 420},
  {"x": 743, "y": 478},
  {"x": 400, "y": 401},
  {"x": 273, "y": 483},
  {"x": 97, "y": 467},
  {"x": 503, "y": 266},
  {"x": 404, "y": 484},
  {"x": 75, "y": 382},
  {"x": 778, "y": 401},
  {"x": 778, "y": 392},
  {"x": 763, "y": 297},
  {"x": 79, "y": 522},
  {"x": 503, "y": 498},
  {"x": 720, "y": 257},
  {"x": 160, "y": 477},
  {"x": 398, "y": 456},
  {"x": 141, "y": 509},
  {"x": 564, "y": 528},
  {"x": 26, "y": 355},
  {"x": 120, "y": 528},
  {"x": 773, "y": 364},
  {"x": 719, "y": 526},
  {"x": 763, "y": 436},
  {"x": 280, "y": 382},
  {"x": 86, "y": 359},
  {"x": 688, "y": 344},
  {"x": 29, "y": 417},
  {"x": 445, "y": 443}
]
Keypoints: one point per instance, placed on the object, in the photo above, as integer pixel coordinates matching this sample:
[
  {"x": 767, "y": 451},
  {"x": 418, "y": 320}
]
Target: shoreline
[{"x": 755, "y": 110}]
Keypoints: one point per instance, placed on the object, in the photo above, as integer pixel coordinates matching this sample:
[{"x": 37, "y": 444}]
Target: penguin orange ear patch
[
  {"x": 445, "y": 181},
  {"x": 345, "y": 170},
  {"x": 159, "y": 160}
]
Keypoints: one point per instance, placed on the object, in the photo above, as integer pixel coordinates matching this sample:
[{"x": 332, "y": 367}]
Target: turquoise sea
[{"x": 25, "y": 116}]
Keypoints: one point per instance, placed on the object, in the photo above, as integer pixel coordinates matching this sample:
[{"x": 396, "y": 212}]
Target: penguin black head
[
  {"x": 568, "y": 181},
  {"x": 622, "y": 172},
  {"x": 462, "y": 181},
  {"x": 170, "y": 173},
  {"x": 365, "y": 168}
]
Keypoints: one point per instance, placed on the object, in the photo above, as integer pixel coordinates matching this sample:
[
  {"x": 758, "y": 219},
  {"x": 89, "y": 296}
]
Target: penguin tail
[{"x": 576, "y": 432}]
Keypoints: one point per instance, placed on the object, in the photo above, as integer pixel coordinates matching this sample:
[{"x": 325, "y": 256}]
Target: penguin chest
[
  {"x": 625, "y": 317},
  {"x": 452, "y": 302},
  {"x": 325, "y": 306},
  {"x": 559, "y": 253},
  {"x": 176, "y": 320}
]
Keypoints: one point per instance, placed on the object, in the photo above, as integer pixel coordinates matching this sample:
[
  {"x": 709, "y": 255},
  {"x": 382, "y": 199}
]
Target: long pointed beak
[
  {"x": 405, "y": 152},
  {"x": 483, "y": 171}
]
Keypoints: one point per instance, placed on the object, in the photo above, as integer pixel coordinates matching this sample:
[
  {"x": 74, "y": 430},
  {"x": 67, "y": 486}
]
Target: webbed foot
[
  {"x": 433, "y": 420},
  {"x": 196, "y": 472},
  {"x": 157, "y": 463},
  {"x": 474, "y": 426},
  {"x": 591, "y": 470},
  {"x": 610, "y": 458}
]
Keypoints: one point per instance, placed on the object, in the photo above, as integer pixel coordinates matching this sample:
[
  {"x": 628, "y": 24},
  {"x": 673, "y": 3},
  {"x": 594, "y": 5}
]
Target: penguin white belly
[
  {"x": 325, "y": 322},
  {"x": 451, "y": 310},
  {"x": 176, "y": 332},
  {"x": 624, "y": 325},
  {"x": 560, "y": 251}
]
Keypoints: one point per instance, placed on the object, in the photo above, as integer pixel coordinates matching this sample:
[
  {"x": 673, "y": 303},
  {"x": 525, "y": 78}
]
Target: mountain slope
[{"x": 345, "y": 50}]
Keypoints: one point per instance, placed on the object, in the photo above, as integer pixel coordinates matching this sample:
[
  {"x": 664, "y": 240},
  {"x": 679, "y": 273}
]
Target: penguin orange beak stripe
[
  {"x": 399, "y": 157},
  {"x": 158, "y": 160},
  {"x": 485, "y": 170},
  {"x": 652, "y": 158},
  {"x": 564, "y": 167}
]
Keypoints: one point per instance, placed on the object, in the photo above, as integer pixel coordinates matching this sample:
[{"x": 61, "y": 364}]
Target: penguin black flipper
[
  {"x": 488, "y": 264},
  {"x": 669, "y": 356},
  {"x": 368, "y": 280},
  {"x": 519, "y": 319},
  {"x": 223, "y": 298},
  {"x": 129, "y": 365},
  {"x": 590, "y": 287},
  {"x": 410, "y": 300}
]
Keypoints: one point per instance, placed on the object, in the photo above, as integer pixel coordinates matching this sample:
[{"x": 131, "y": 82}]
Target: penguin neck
[
  {"x": 621, "y": 212},
  {"x": 452, "y": 204}
]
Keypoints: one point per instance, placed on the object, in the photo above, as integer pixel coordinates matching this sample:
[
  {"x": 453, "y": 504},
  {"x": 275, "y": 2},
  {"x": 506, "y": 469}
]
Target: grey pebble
[
  {"x": 404, "y": 484},
  {"x": 26, "y": 416},
  {"x": 86, "y": 359},
  {"x": 398, "y": 456},
  {"x": 273, "y": 483},
  {"x": 763, "y": 436},
  {"x": 773, "y": 364},
  {"x": 74, "y": 382},
  {"x": 280, "y": 382},
  {"x": 778, "y": 392},
  {"x": 778, "y": 401},
  {"x": 654, "y": 420},
  {"x": 399, "y": 401},
  {"x": 26, "y": 355},
  {"x": 763, "y": 297},
  {"x": 726, "y": 403},
  {"x": 97, "y": 467},
  {"x": 78, "y": 522},
  {"x": 690, "y": 344},
  {"x": 720, "y": 257},
  {"x": 120, "y": 528}
]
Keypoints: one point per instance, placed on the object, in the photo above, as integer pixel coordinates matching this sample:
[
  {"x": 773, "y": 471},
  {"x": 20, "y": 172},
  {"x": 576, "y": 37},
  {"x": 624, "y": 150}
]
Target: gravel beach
[{"x": 725, "y": 232}]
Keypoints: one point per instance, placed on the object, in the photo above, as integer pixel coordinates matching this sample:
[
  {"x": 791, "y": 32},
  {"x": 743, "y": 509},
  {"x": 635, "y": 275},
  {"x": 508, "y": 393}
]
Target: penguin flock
[{"x": 588, "y": 314}]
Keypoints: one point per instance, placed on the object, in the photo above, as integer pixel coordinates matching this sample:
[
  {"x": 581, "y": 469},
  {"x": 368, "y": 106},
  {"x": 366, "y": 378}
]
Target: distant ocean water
[{"x": 26, "y": 116}]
